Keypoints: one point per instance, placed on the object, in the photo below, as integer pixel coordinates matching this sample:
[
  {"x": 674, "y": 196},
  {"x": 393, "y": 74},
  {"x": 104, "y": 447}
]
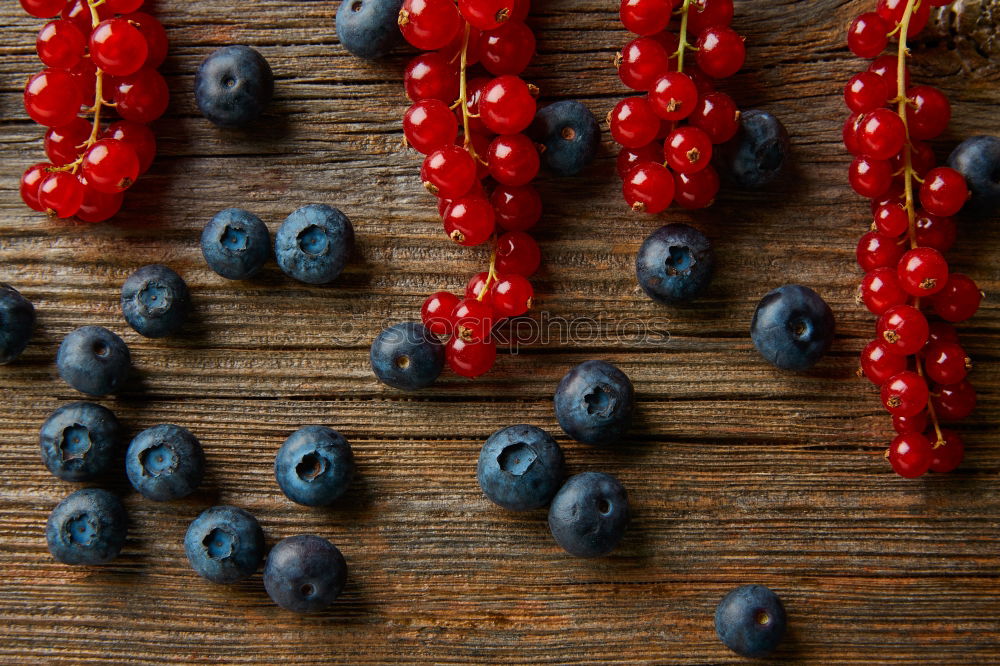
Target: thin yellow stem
[
  {"x": 682, "y": 37},
  {"x": 491, "y": 275}
]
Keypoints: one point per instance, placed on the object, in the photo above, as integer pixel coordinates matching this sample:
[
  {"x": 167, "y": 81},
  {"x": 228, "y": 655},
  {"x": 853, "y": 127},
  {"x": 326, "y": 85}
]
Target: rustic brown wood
[{"x": 737, "y": 473}]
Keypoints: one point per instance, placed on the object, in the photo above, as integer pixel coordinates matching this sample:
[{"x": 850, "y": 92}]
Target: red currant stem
[
  {"x": 463, "y": 93},
  {"x": 491, "y": 274},
  {"x": 682, "y": 43}
]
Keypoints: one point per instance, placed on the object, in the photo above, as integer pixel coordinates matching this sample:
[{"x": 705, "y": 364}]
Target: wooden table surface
[{"x": 737, "y": 473}]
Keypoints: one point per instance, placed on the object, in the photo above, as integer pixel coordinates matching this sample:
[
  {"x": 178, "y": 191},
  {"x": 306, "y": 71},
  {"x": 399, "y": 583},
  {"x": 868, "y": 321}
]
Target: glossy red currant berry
[
  {"x": 881, "y": 134},
  {"x": 61, "y": 194},
  {"x": 927, "y": 113},
  {"x": 922, "y": 159},
  {"x": 517, "y": 253},
  {"x": 696, "y": 190},
  {"x": 508, "y": 49},
  {"x": 477, "y": 287},
  {"x": 954, "y": 402},
  {"x": 673, "y": 96},
  {"x": 42, "y": 8},
  {"x": 473, "y": 320},
  {"x": 905, "y": 394},
  {"x": 904, "y": 424},
  {"x": 516, "y": 208},
  {"x": 720, "y": 52},
  {"x": 156, "y": 37},
  {"x": 448, "y": 172},
  {"x": 431, "y": 76},
  {"x": 99, "y": 206},
  {"x": 513, "y": 159},
  {"x": 429, "y": 125},
  {"x": 429, "y": 24},
  {"x": 84, "y": 75},
  {"x": 633, "y": 122},
  {"x": 641, "y": 62},
  {"x": 850, "y": 134},
  {"x": 910, "y": 455},
  {"x": 943, "y": 191},
  {"x": 506, "y": 105},
  {"x": 52, "y": 98},
  {"x": 141, "y": 97},
  {"x": 64, "y": 144},
  {"x": 868, "y": 35},
  {"x": 958, "y": 300},
  {"x": 110, "y": 166},
  {"x": 717, "y": 115},
  {"x": 436, "y": 312},
  {"x": 704, "y": 14},
  {"x": 878, "y": 251},
  {"x": 469, "y": 221},
  {"x": 30, "y": 182},
  {"x": 60, "y": 44},
  {"x": 646, "y": 17},
  {"x": 118, "y": 47},
  {"x": 648, "y": 188},
  {"x": 904, "y": 328},
  {"x": 936, "y": 231},
  {"x": 947, "y": 456},
  {"x": 886, "y": 67},
  {"x": 892, "y": 12},
  {"x": 940, "y": 331},
  {"x": 687, "y": 150},
  {"x": 630, "y": 157},
  {"x": 469, "y": 359},
  {"x": 512, "y": 295},
  {"x": 946, "y": 362},
  {"x": 452, "y": 51},
  {"x": 865, "y": 91},
  {"x": 922, "y": 272},
  {"x": 138, "y": 137},
  {"x": 892, "y": 220},
  {"x": 878, "y": 364},
  {"x": 870, "y": 177},
  {"x": 486, "y": 14},
  {"x": 880, "y": 290}
]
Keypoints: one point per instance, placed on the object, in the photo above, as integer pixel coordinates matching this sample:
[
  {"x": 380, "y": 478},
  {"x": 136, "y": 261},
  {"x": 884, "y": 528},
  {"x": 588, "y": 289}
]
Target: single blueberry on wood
[
  {"x": 750, "y": 620},
  {"x": 589, "y": 514},
  {"x": 314, "y": 466},
  {"x": 78, "y": 441},
  {"x": 594, "y": 403},
  {"x": 304, "y": 573},
  {"x": 978, "y": 159},
  {"x": 94, "y": 360},
  {"x": 88, "y": 527},
  {"x": 165, "y": 462},
  {"x": 569, "y": 134},
  {"x": 675, "y": 264},
  {"x": 520, "y": 467},
  {"x": 224, "y": 544},
  {"x": 314, "y": 243},
  {"x": 17, "y": 319},
  {"x": 233, "y": 86},
  {"x": 757, "y": 155},
  {"x": 792, "y": 327},
  {"x": 407, "y": 356},
  {"x": 155, "y": 301},
  {"x": 235, "y": 243},
  {"x": 369, "y": 28}
]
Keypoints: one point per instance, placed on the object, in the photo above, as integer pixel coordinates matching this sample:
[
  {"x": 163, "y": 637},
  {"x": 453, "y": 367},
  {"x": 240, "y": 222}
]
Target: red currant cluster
[
  {"x": 97, "y": 54},
  {"x": 663, "y": 160},
  {"x": 918, "y": 364},
  {"x": 471, "y": 130}
]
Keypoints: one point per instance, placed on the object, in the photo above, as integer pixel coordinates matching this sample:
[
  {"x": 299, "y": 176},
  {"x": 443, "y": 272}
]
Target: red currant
[
  {"x": 954, "y": 402},
  {"x": 646, "y": 17},
  {"x": 52, "y": 98},
  {"x": 469, "y": 359},
  {"x": 870, "y": 177},
  {"x": 720, "y": 52},
  {"x": 905, "y": 329},
  {"x": 922, "y": 159},
  {"x": 916, "y": 423},
  {"x": 431, "y": 76},
  {"x": 42, "y": 8},
  {"x": 156, "y": 37},
  {"x": 78, "y": 11},
  {"x": 110, "y": 166},
  {"x": 429, "y": 24},
  {"x": 885, "y": 66},
  {"x": 704, "y": 14},
  {"x": 517, "y": 253},
  {"x": 630, "y": 157},
  {"x": 507, "y": 50},
  {"x": 123, "y": 6},
  {"x": 880, "y": 290},
  {"x": 892, "y": 12},
  {"x": 84, "y": 75},
  {"x": 633, "y": 122},
  {"x": 429, "y": 125},
  {"x": 881, "y": 134},
  {"x": 30, "y": 182},
  {"x": 946, "y": 457},
  {"x": 448, "y": 172},
  {"x": 99, "y": 206},
  {"x": 717, "y": 115},
  {"x": 878, "y": 364},
  {"x": 687, "y": 150},
  {"x": 486, "y": 14},
  {"x": 641, "y": 62},
  {"x": 60, "y": 44},
  {"x": 868, "y": 35},
  {"x": 648, "y": 188},
  {"x": 473, "y": 320},
  {"x": 673, "y": 96},
  {"x": 141, "y": 97},
  {"x": 512, "y": 295},
  {"x": 477, "y": 287},
  {"x": 850, "y": 134},
  {"x": 943, "y": 191},
  {"x": 452, "y": 51},
  {"x": 946, "y": 362},
  {"x": 866, "y": 91},
  {"x": 118, "y": 47},
  {"x": 940, "y": 331},
  {"x": 506, "y": 105},
  {"x": 516, "y": 208},
  {"x": 61, "y": 194},
  {"x": 878, "y": 251},
  {"x": 138, "y": 137},
  {"x": 958, "y": 300},
  {"x": 927, "y": 113},
  {"x": 513, "y": 159},
  {"x": 696, "y": 190},
  {"x": 469, "y": 221},
  {"x": 905, "y": 394},
  {"x": 892, "y": 220},
  {"x": 436, "y": 312},
  {"x": 63, "y": 144},
  {"x": 922, "y": 272},
  {"x": 936, "y": 231},
  {"x": 910, "y": 455}
]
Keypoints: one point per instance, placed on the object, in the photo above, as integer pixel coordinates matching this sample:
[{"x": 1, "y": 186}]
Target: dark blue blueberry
[
  {"x": 165, "y": 462},
  {"x": 233, "y": 86},
  {"x": 594, "y": 403},
  {"x": 978, "y": 159},
  {"x": 314, "y": 466},
  {"x": 313, "y": 244},
  {"x": 792, "y": 327},
  {"x": 88, "y": 527},
  {"x": 520, "y": 467},
  {"x": 750, "y": 620},
  {"x": 79, "y": 440},
  {"x": 589, "y": 514},
  {"x": 368, "y": 28},
  {"x": 304, "y": 573},
  {"x": 757, "y": 155},
  {"x": 407, "y": 356},
  {"x": 224, "y": 544},
  {"x": 94, "y": 360},
  {"x": 674, "y": 264},
  {"x": 17, "y": 319},
  {"x": 570, "y": 134},
  {"x": 155, "y": 301},
  {"x": 235, "y": 243}
]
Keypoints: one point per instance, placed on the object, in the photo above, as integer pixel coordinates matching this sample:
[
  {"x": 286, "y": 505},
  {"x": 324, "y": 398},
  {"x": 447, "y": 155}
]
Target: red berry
[
  {"x": 865, "y": 91},
  {"x": 892, "y": 220},
  {"x": 641, "y": 62},
  {"x": 99, "y": 206},
  {"x": 473, "y": 320},
  {"x": 156, "y": 37},
  {"x": 452, "y": 51},
  {"x": 84, "y": 75},
  {"x": 633, "y": 122},
  {"x": 927, "y": 113},
  {"x": 470, "y": 359},
  {"x": 141, "y": 97},
  {"x": 429, "y": 24},
  {"x": 52, "y": 98},
  {"x": 64, "y": 144},
  {"x": 30, "y": 182},
  {"x": 881, "y": 134},
  {"x": 513, "y": 159},
  {"x": 118, "y": 47},
  {"x": 870, "y": 177},
  {"x": 953, "y": 402},
  {"x": 958, "y": 300},
  {"x": 429, "y": 125},
  {"x": 508, "y": 49},
  {"x": 717, "y": 115},
  {"x": 922, "y": 159},
  {"x": 885, "y": 66},
  {"x": 431, "y": 76},
  {"x": 630, "y": 157},
  {"x": 878, "y": 364},
  {"x": 922, "y": 271},
  {"x": 78, "y": 11},
  {"x": 648, "y": 188},
  {"x": 506, "y": 105},
  {"x": 486, "y": 14},
  {"x": 110, "y": 166},
  {"x": 868, "y": 35},
  {"x": 905, "y": 329},
  {"x": 61, "y": 194},
  {"x": 518, "y": 253},
  {"x": 904, "y": 424},
  {"x": 436, "y": 312},
  {"x": 669, "y": 41},
  {"x": 878, "y": 251},
  {"x": 892, "y": 12},
  {"x": 469, "y": 221},
  {"x": 943, "y": 191},
  {"x": 60, "y": 44},
  {"x": 477, "y": 286},
  {"x": 696, "y": 190},
  {"x": 42, "y": 8},
  {"x": 481, "y": 145},
  {"x": 940, "y": 331},
  {"x": 448, "y": 172},
  {"x": 946, "y": 457},
  {"x": 704, "y": 14},
  {"x": 673, "y": 96},
  {"x": 720, "y": 52},
  {"x": 516, "y": 208},
  {"x": 936, "y": 231},
  {"x": 880, "y": 290},
  {"x": 946, "y": 362},
  {"x": 138, "y": 137},
  {"x": 850, "y": 133},
  {"x": 687, "y": 150},
  {"x": 910, "y": 455},
  {"x": 512, "y": 295},
  {"x": 646, "y": 17},
  {"x": 123, "y": 6},
  {"x": 905, "y": 394}
]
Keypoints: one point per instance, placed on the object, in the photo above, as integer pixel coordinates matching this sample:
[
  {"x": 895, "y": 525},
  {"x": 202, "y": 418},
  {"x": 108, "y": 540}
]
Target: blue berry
[
  {"x": 94, "y": 360},
  {"x": 792, "y": 327},
  {"x": 79, "y": 440},
  {"x": 594, "y": 403},
  {"x": 750, "y": 620},
  {"x": 313, "y": 244},
  {"x": 304, "y": 573},
  {"x": 233, "y": 86},
  {"x": 165, "y": 462},
  {"x": 757, "y": 155},
  {"x": 88, "y": 527},
  {"x": 235, "y": 244},
  {"x": 17, "y": 319},
  {"x": 407, "y": 356},
  {"x": 314, "y": 466},
  {"x": 589, "y": 514},
  {"x": 978, "y": 159},
  {"x": 368, "y": 28},
  {"x": 674, "y": 264},
  {"x": 520, "y": 467},
  {"x": 224, "y": 544},
  {"x": 155, "y": 301},
  {"x": 570, "y": 134}
]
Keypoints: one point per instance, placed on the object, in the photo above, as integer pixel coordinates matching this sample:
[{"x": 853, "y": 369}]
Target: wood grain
[{"x": 737, "y": 473}]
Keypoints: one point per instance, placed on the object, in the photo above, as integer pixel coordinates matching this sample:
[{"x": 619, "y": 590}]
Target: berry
[
  {"x": 594, "y": 403},
  {"x": 453, "y": 49},
  {"x": 367, "y": 28},
  {"x": 110, "y": 166},
  {"x": 235, "y": 244},
  {"x": 905, "y": 394},
  {"x": 517, "y": 252},
  {"x": 431, "y": 76},
  {"x": 922, "y": 159},
  {"x": 520, "y": 468},
  {"x": 17, "y": 321},
  {"x": 93, "y": 360},
  {"x": 869, "y": 177},
  {"x": 696, "y": 190},
  {"x": 673, "y": 96},
  {"x": 60, "y": 44},
  {"x": 508, "y": 49},
  {"x": 469, "y": 221},
  {"x": 486, "y": 14},
  {"x": 946, "y": 362},
  {"x": 634, "y": 123},
  {"x": 904, "y": 424},
  {"x": 646, "y": 17},
  {"x": 910, "y": 455},
  {"x": 927, "y": 113},
  {"x": 314, "y": 466},
  {"x": 704, "y": 14},
  {"x": 978, "y": 160},
  {"x": 720, "y": 52},
  {"x": 52, "y": 98},
  {"x": 892, "y": 12},
  {"x": 717, "y": 115},
  {"x": 511, "y": 295},
  {"x": 648, "y": 188},
  {"x": 750, "y": 620},
  {"x": 641, "y": 62},
  {"x": 314, "y": 243},
  {"x": 850, "y": 133},
  {"x": 589, "y": 514},
  {"x": 88, "y": 527},
  {"x": 922, "y": 272},
  {"x": 946, "y": 457},
  {"x": 79, "y": 441},
  {"x": 881, "y": 134},
  {"x": 687, "y": 150},
  {"x": 407, "y": 356},
  {"x": 43, "y": 8},
  {"x": 62, "y": 144},
  {"x": 473, "y": 320},
  {"x": 470, "y": 359},
  {"x": 756, "y": 156},
  {"x": 429, "y": 125},
  {"x": 516, "y": 208},
  {"x": 304, "y": 573},
  {"x": 165, "y": 462},
  {"x": 79, "y": 12},
  {"x": 958, "y": 300},
  {"x": 143, "y": 97},
  {"x": 879, "y": 364},
  {"x": 631, "y": 157},
  {"x": 891, "y": 220},
  {"x": 513, "y": 159},
  {"x": 224, "y": 544},
  {"x": 880, "y": 290},
  {"x": 117, "y": 47},
  {"x": 233, "y": 86},
  {"x": 448, "y": 172},
  {"x": 155, "y": 301},
  {"x": 429, "y": 24},
  {"x": 61, "y": 194},
  {"x": 156, "y": 37},
  {"x": 436, "y": 312},
  {"x": 953, "y": 402},
  {"x": 476, "y": 285},
  {"x": 935, "y": 231},
  {"x": 939, "y": 331},
  {"x": 866, "y": 91},
  {"x": 31, "y": 180},
  {"x": 674, "y": 264},
  {"x": 886, "y": 67},
  {"x": 868, "y": 35},
  {"x": 943, "y": 191},
  {"x": 792, "y": 327},
  {"x": 123, "y": 6},
  {"x": 99, "y": 206},
  {"x": 569, "y": 135},
  {"x": 506, "y": 105},
  {"x": 905, "y": 329}
]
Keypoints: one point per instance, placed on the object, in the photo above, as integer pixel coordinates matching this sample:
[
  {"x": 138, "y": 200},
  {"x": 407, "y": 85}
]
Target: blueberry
[
  {"x": 674, "y": 264},
  {"x": 165, "y": 462},
  {"x": 750, "y": 620},
  {"x": 17, "y": 318},
  {"x": 756, "y": 156},
  {"x": 155, "y": 301},
  {"x": 589, "y": 514},
  {"x": 520, "y": 467},
  {"x": 304, "y": 573},
  {"x": 94, "y": 360},
  {"x": 594, "y": 403},
  {"x": 792, "y": 327},
  {"x": 407, "y": 356},
  {"x": 314, "y": 466},
  {"x": 235, "y": 243},
  {"x": 570, "y": 134},
  {"x": 978, "y": 159},
  {"x": 88, "y": 527},
  {"x": 368, "y": 28},
  {"x": 313, "y": 244},
  {"x": 233, "y": 86},
  {"x": 224, "y": 544},
  {"x": 78, "y": 441}
]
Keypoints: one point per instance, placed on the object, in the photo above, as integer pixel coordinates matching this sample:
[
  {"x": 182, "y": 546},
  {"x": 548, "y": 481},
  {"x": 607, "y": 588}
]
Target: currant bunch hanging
[
  {"x": 471, "y": 130},
  {"x": 99, "y": 55},
  {"x": 918, "y": 364}
]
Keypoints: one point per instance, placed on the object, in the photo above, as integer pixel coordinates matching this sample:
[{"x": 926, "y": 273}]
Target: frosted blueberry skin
[
  {"x": 314, "y": 243},
  {"x": 792, "y": 327},
  {"x": 520, "y": 468},
  {"x": 314, "y": 466},
  {"x": 594, "y": 403},
  {"x": 675, "y": 264},
  {"x": 233, "y": 86},
  {"x": 978, "y": 159},
  {"x": 759, "y": 152},
  {"x": 94, "y": 360},
  {"x": 235, "y": 244},
  {"x": 88, "y": 527},
  {"x": 304, "y": 573},
  {"x": 570, "y": 134},
  {"x": 368, "y": 28},
  {"x": 751, "y": 621},
  {"x": 589, "y": 514},
  {"x": 165, "y": 462},
  {"x": 407, "y": 356},
  {"x": 224, "y": 544},
  {"x": 78, "y": 441},
  {"x": 155, "y": 301},
  {"x": 17, "y": 320}
]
